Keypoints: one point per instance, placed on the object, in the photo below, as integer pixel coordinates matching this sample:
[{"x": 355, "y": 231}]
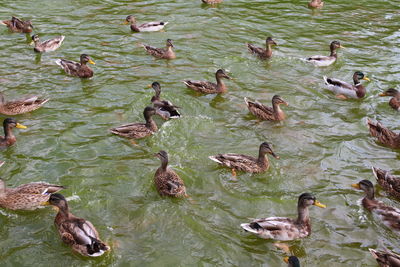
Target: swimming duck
[
  {"x": 386, "y": 258},
  {"x": 261, "y": 52},
  {"x": 292, "y": 261},
  {"x": 80, "y": 69},
  {"x": 395, "y": 100},
  {"x": 246, "y": 163},
  {"x": 9, "y": 138},
  {"x": 138, "y": 130},
  {"x": 284, "y": 229},
  {"x": 164, "y": 108},
  {"x": 78, "y": 233},
  {"x": 387, "y": 181},
  {"x": 17, "y": 25},
  {"x": 20, "y": 106},
  {"x": 145, "y": 27},
  {"x": 212, "y": 2},
  {"x": 384, "y": 135},
  {"x": 323, "y": 61},
  {"x": 389, "y": 216},
  {"x": 167, "y": 182},
  {"x": 209, "y": 87},
  {"x": 316, "y": 4},
  {"x": 343, "y": 89},
  {"x": 48, "y": 45},
  {"x": 27, "y": 196},
  {"x": 164, "y": 53},
  {"x": 267, "y": 113}
]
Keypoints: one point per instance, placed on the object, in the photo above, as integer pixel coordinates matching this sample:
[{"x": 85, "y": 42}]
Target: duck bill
[
  {"x": 46, "y": 203},
  {"x": 32, "y": 43},
  {"x": 382, "y": 94},
  {"x": 319, "y": 204},
  {"x": 91, "y": 62},
  {"x": 275, "y": 155},
  {"x": 125, "y": 22},
  {"x": 274, "y": 43},
  {"x": 228, "y": 77},
  {"x": 356, "y": 186},
  {"x": 341, "y": 46},
  {"x": 285, "y": 103},
  {"x": 20, "y": 126},
  {"x": 286, "y": 259},
  {"x": 366, "y": 78}
]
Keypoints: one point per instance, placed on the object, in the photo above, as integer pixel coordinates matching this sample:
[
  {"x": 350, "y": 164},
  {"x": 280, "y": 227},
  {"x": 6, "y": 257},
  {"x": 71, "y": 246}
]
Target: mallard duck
[
  {"x": 246, "y": 163},
  {"x": 164, "y": 108},
  {"x": 138, "y": 130},
  {"x": 9, "y": 138},
  {"x": 27, "y": 196},
  {"x": 344, "y": 89},
  {"x": 167, "y": 182},
  {"x": 389, "y": 182},
  {"x": 17, "y": 25},
  {"x": 164, "y": 53},
  {"x": 281, "y": 228},
  {"x": 20, "y": 106},
  {"x": 267, "y": 113},
  {"x": 48, "y": 45},
  {"x": 209, "y": 87},
  {"x": 292, "y": 261},
  {"x": 261, "y": 52},
  {"x": 79, "y": 233},
  {"x": 212, "y": 2},
  {"x": 323, "y": 61},
  {"x": 80, "y": 69},
  {"x": 316, "y": 4},
  {"x": 395, "y": 100},
  {"x": 389, "y": 216},
  {"x": 145, "y": 27},
  {"x": 384, "y": 135},
  {"x": 386, "y": 258}
]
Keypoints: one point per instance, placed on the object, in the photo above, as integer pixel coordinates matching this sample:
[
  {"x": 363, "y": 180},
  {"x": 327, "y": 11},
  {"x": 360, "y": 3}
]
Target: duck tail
[
  {"x": 214, "y": 158},
  {"x": 325, "y": 80},
  {"x": 59, "y": 62},
  {"x": 252, "y": 227}
]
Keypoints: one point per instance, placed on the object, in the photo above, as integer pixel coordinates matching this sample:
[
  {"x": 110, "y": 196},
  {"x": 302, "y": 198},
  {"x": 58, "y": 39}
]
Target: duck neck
[
  {"x": 150, "y": 123},
  {"x": 268, "y": 50},
  {"x": 303, "y": 214},
  {"x": 278, "y": 113},
  {"x": 370, "y": 194},
  {"x": 164, "y": 164},
  {"x": 2, "y": 100},
  {"x": 262, "y": 158},
  {"x": 157, "y": 95},
  {"x": 333, "y": 52},
  {"x": 63, "y": 211},
  {"x": 220, "y": 84},
  {"x": 8, "y": 134}
]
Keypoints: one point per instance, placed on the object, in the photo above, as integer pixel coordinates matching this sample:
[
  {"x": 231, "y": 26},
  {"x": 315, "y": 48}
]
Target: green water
[{"x": 324, "y": 143}]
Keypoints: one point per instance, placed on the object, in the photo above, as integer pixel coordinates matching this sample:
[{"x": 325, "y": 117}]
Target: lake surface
[{"x": 324, "y": 145}]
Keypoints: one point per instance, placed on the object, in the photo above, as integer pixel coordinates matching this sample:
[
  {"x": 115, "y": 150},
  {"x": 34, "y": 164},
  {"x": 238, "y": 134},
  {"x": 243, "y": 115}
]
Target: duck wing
[
  {"x": 259, "y": 110},
  {"x": 152, "y": 26},
  {"x": 155, "y": 52},
  {"x": 256, "y": 50},
  {"x": 133, "y": 130},
  {"x": 202, "y": 86},
  {"x": 384, "y": 135},
  {"x": 236, "y": 161},
  {"x": 38, "y": 188},
  {"x": 388, "y": 181},
  {"x": 23, "y": 105},
  {"x": 51, "y": 44}
]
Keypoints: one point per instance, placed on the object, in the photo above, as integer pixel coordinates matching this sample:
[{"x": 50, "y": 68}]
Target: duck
[
  {"x": 386, "y": 258},
  {"x": 162, "y": 53},
  {"x": 344, "y": 89},
  {"x": 387, "y": 181},
  {"x": 20, "y": 106},
  {"x": 48, "y": 45},
  {"x": 316, "y": 4},
  {"x": 384, "y": 135},
  {"x": 77, "y": 69},
  {"x": 27, "y": 196},
  {"x": 267, "y": 113},
  {"x": 292, "y": 261},
  {"x": 210, "y": 87},
  {"x": 261, "y": 52},
  {"x": 394, "y": 102},
  {"x": 285, "y": 229},
  {"x": 212, "y": 2},
  {"x": 17, "y": 25},
  {"x": 167, "y": 181},
  {"x": 246, "y": 163},
  {"x": 138, "y": 130},
  {"x": 164, "y": 108},
  {"x": 76, "y": 232},
  {"x": 9, "y": 138},
  {"x": 323, "y": 61},
  {"x": 154, "y": 26},
  {"x": 389, "y": 216}
]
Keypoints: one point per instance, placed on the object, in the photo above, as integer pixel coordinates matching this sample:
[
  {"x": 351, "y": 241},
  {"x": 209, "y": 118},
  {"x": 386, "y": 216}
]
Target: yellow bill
[
  {"x": 286, "y": 259},
  {"x": 319, "y": 204},
  {"x": 46, "y": 203},
  {"x": 91, "y": 62},
  {"x": 20, "y": 126},
  {"x": 382, "y": 94},
  {"x": 125, "y": 22},
  {"x": 341, "y": 46},
  {"x": 357, "y": 186},
  {"x": 366, "y": 78}
]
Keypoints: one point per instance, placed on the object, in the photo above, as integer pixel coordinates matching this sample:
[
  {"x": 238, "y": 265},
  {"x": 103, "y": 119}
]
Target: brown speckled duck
[
  {"x": 163, "y": 53},
  {"x": 48, "y": 45},
  {"x": 167, "y": 182},
  {"x": 78, "y": 69},
  {"x": 76, "y": 232},
  {"x": 261, "y": 52},
  {"x": 389, "y": 216},
  {"x": 9, "y": 138},
  {"x": 316, "y": 4},
  {"x": 17, "y": 25},
  {"x": 153, "y": 26},
  {"x": 164, "y": 107},
  {"x": 209, "y": 87},
  {"x": 387, "y": 181},
  {"x": 138, "y": 130},
  {"x": 386, "y": 258},
  {"x": 281, "y": 228},
  {"x": 246, "y": 163},
  {"x": 384, "y": 135},
  {"x": 394, "y": 102},
  {"x": 267, "y": 113},
  {"x": 20, "y": 106}
]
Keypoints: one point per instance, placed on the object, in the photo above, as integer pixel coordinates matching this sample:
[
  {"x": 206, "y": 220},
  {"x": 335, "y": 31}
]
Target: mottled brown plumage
[
  {"x": 209, "y": 87},
  {"x": 163, "y": 53},
  {"x": 78, "y": 69},
  {"x": 17, "y": 25},
  {"x": 20, "y": 106},
  {"x": 386, "y": 258},
  {"x": 394, "y": 102},
  {"x": 138, "y": 130},
  {"x": 316, "y": 4},
  {"x": 261, "y": 52},
  {"x": 78, "y": 233},
  {"x": 167, "y": 182},
  {"x": 383, "y": 134},
  {"x": 164, "y": 108},
  {"x": 263, "y": 112},
  {"x": 387, "y": 181},
  {"x": 9, "y": 138},
  {"x": 48, "y": 45}
]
